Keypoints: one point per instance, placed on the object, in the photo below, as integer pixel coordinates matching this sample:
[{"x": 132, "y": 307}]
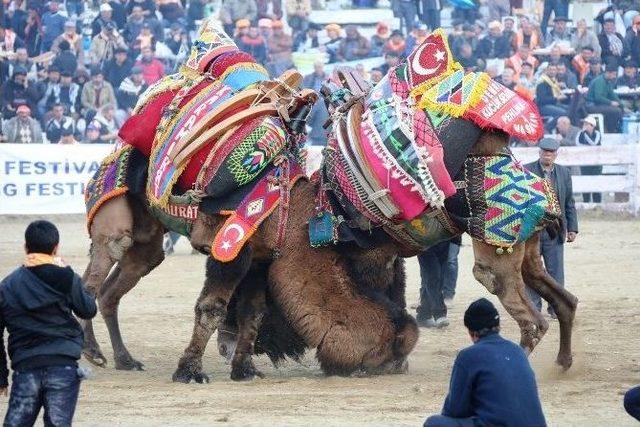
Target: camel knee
[
  {"x": 486, "y": 277},
  {"x": 118, "y": 246},
  {"x": 406, "y": 337}
]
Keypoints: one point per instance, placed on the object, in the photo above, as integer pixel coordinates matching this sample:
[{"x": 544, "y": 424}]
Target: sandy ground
[{"x": 156, "y": 317}]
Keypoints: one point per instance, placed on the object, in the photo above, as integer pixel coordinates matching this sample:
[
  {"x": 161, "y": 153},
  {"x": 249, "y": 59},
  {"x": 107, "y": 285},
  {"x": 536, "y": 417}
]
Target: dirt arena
[{"x": 156, "y": 318}]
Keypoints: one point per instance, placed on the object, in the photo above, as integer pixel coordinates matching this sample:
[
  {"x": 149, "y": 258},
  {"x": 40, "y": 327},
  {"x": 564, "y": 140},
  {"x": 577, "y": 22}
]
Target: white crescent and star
[
  {"x": 417, "y": 68},
  {"x": 226, "y": 244}
]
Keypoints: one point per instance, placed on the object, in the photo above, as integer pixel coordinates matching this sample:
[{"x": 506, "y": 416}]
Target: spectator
[
  {"x": 432, "y": 311},
  {"x": 104, "y": 17},
  {"x": 65, "y": 59},
  {"x": 451, "y": 271},
  {"x": 549, "y": 95},
  {"x": 73, "y": 38},
  {"x": 178, "y": 39},
  {"x": 134, "y": 24},
  {"x": 118, "y": 68},
  {"x": 16, "y": 92},
  {"x": 152, "y": 68},
  {"x": 96, "y": 94},
  {"x": 508, "y": 30},
  {"x": 595, "y": 69},
  {"x": 242, "y": 29},
  {"x": 601, "y": 98},
  {"x": 38, "y": 302},
  {"x": 527, "y": 78},
  {"x": 130, "y": 89},
  {"x": 632, "y": 402},
  {"x": 520, "y": 57},
  {"x": 396, "y": 44},
  {"x": 232, "y": 10},
  {"x": 492, "y": 382},
  {"x": 391, "y": 59},
  {"x": 560, "y": 33},
  {"x": 629, "y": 79},
  {"x": 33, "y": 32},
  {"x": 508, "y": 79},
  {"x": 527, "y": 35},
  {"x": 148, "y": 7},
  {"x": 103, "y": 45},
  {"x": 279, "y": 49},
  {"x": 254, "y": 44},
  {"x": 335, "y": 38},
  {"x": 379, "y": 39},
  {"x": 468, "y": 36},
  {"x": 430, "y": 13},
  {"x": 417, "y": 36},
  {"x": 9, "y": 41},
  {"x": 580, "y": 63},
  {"x": 614, "y": 47},
  {"x": 16, "y": 20},
  {"x": 269, "y": 9},
  {"x": 307, "y": 41},
  {"x": 376, "y": 75},
  {"x": 22, "y": 129},
  {"x": 632, "y": 39},
  {"x": 552, "y": 247},
  {"x": 69, "y": 94},
  {"x": 298, "y": 14},
  {"x": 498, "y": 9},
  {"x": 468, "y": 59},
  {"x": 93, "y": 136},
  {"x": 494, "y": 45},
  {"x": 48, "y": 91},
  {"x": 52, "y": 25},
  {"x": 406, "y": 10},
  {"x": 108, "y": 124},
  {"x": 555, "y": 57},
  {"x": 145, "y": 37},
  {"x": 319, "y": 114},
  {"x": 354, "y": 46},
  {"x": 590, "y": 136},
  {"x": 57, "y": 124},
  {"x": 265, "y": 27},
  {"x": 583, "y": 37},
  {"x": 20, "y": 60},
  {"x": 67, "y": 137},
  {"x": 566, "y": 78},
  {"x": 558, "y": 7},
  {"x": 118, "y": 14},
  {"x": 171, "y": 10},
  {"x": 566, "y": 133}
]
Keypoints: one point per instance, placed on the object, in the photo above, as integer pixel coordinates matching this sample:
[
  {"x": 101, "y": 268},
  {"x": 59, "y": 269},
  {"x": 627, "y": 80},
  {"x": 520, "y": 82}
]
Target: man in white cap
[
  {"x": 53, "y": 25},
  {"x": 106, "y": 15},
  {"x": 590, "y": 136},
  {"x": 552, "y": 247},
  {"x": 494, "y": 45}
]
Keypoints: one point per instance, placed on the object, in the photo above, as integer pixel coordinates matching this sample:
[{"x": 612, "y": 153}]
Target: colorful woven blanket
[
  {"x": 109, "y": 181},
  {"x": 506, "y": 203}
]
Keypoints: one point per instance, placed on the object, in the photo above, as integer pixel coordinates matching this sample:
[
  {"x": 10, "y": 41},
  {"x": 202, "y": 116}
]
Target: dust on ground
[{"x": 156, "y": 318}]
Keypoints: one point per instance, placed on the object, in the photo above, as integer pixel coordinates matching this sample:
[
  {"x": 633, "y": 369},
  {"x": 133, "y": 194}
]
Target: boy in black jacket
[{"x": 45, "y": 340}]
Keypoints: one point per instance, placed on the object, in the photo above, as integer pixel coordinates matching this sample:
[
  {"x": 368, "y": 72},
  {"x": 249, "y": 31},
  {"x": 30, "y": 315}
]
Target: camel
[{"x": 327, "y": 298}]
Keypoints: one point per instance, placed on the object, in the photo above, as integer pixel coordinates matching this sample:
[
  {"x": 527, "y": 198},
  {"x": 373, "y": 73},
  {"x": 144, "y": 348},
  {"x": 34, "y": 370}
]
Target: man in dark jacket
[
  {"x": 614, "y": 46},
  {"x": 494, "y": 45},
  {"x": 492, "y": 383},
  {"x": 37, "y": 304},
  {"x": 118, "y": 68},
  {"x": 602, "y": 99},
  {"x": 552, "y": 248},
  {"x": 632, "y": 39}
]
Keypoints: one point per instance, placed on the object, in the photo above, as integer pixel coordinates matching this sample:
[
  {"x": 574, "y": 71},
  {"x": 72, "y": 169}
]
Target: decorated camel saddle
[
  {"x": 218, "y": 135},
  {"x": 393, "y": 162}
]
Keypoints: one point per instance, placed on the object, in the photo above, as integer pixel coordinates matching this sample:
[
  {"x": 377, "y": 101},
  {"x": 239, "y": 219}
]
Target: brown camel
[{"x": 322, "y": 294}]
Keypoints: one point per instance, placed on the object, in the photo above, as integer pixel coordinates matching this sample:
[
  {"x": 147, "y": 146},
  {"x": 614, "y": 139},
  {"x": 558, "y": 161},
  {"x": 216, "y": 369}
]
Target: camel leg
[
  {"x": 136, "y": 263},
  {"x": 563, "y": 302},
  {"x": 210, "y": 310},
  {"x": 501, "y": 275},
  {"x": 250, "y": 311}
]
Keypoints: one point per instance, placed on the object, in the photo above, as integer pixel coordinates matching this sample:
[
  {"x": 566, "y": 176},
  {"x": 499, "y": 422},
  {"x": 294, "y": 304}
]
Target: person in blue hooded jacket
[
  {"x": 37, "y": 304},
  {"x": 492, "y": 383}
]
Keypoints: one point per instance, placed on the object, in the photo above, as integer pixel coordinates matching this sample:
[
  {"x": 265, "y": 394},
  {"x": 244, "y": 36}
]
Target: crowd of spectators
[{"x": 72, "y": 71}]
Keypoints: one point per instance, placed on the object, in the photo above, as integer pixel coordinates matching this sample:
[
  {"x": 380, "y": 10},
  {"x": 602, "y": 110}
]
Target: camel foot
[
  {"x": 245, "y": 372},
  {"x": 565, "y": 360},
  {"x": 185, "y": 375},
  {"x": 128, "y": 363},
  {"x": 95, "y": 356},
  {"x": 227, "y": 348}
]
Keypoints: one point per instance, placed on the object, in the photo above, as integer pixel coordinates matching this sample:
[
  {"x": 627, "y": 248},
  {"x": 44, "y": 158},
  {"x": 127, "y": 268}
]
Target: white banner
[{"x": 47, "y": 178}]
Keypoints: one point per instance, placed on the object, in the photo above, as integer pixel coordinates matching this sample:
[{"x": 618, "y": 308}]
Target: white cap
[
  {"x": 591, "y": 120},
  {"x": 105, "y": 7}
]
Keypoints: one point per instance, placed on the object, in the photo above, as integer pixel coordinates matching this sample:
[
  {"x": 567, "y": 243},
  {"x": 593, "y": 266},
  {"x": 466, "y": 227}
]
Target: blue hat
[{"x": 549, "y": 144}]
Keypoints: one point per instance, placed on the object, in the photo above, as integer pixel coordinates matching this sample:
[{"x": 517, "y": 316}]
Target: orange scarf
[
  {"x": 534, "y": 42},
  {"x": 581, "y": 65},
  {"x": 36, "y": 259}
]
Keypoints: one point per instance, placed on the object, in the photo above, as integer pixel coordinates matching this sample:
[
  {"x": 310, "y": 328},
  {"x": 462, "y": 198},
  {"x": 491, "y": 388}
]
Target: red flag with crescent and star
[{"x": 431, "y": 59}]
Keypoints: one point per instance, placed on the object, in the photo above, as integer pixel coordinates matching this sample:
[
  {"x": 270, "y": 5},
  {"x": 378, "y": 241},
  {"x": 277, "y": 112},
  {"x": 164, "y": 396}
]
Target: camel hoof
[
  {"x": 565, "y": 361},
  {"x": 245, "y": 373},
  {"x": 129, "y": 364},
  {"x": 95, "y": 357},
  {"x": 184, "y": 376}
]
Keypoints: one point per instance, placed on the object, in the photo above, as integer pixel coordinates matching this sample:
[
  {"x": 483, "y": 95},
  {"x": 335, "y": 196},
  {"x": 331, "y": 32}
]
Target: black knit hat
[{"x": 480, "y": 315}]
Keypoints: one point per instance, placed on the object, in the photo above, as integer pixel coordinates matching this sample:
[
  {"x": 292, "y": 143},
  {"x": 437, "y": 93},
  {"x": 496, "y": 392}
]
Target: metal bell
[
  {"x": 499, "y": 251},
  {"x": 510, "y": 250}
]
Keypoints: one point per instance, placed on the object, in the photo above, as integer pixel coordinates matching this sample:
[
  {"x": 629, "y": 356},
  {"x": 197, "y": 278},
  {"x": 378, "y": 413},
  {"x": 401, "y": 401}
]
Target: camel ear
[{"x": 430, "y": 60}]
